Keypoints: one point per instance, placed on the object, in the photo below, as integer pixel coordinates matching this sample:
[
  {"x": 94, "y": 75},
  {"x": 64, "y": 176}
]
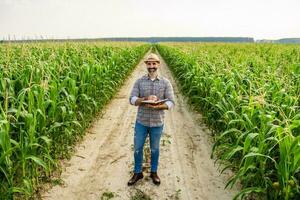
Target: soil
[{"x": 103, "y": 162}]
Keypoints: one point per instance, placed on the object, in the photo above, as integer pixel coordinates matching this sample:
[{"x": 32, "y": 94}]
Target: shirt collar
[{"x": 157, "y": 77}]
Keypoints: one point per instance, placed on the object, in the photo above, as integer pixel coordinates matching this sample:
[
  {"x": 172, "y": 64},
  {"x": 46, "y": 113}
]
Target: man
[{"x": 150, "y": 118}]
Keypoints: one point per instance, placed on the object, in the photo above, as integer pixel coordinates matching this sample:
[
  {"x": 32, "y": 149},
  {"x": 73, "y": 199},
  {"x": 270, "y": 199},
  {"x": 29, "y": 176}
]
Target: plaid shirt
[{"x": 143, "y": 87}]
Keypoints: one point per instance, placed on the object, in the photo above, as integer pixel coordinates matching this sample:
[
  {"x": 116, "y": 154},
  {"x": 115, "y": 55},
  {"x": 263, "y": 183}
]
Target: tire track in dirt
[{"x": 103, "y": 162}]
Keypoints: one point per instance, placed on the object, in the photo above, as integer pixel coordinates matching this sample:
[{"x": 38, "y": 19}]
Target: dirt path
[{"x": 103, "y": 162}]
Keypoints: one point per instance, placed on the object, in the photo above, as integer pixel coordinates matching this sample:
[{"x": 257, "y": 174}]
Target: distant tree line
[
  {"x": 184, "y": 39},
  {"x": 283, "y": 40},
  {"x": 288, "y": 40},
  {"x": 167, "y": 39}
]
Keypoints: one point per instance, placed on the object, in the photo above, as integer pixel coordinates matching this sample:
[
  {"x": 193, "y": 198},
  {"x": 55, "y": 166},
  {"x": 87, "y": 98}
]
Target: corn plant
[
  {"x": 249, "y": 97},
  {"x": 49, "y": 93}
]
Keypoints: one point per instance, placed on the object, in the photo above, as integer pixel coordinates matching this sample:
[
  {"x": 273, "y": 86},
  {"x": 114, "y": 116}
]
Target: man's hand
[
  {"x": 157, "y": 107},
  {"x": 152, "y": 97},
  {"x": 138, "y": 102}
]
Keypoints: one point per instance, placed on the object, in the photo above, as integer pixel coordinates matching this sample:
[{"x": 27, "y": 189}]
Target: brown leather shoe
[
  {"x": 155, "y": 178},
  {"x": 135, "y": 178}
]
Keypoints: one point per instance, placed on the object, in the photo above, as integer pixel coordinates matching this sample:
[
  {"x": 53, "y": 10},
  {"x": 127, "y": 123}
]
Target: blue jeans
[{"x": 140, "y": 134}]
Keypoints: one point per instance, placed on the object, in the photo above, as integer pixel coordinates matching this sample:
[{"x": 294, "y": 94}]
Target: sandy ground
[{"x": 103, "y": 162}]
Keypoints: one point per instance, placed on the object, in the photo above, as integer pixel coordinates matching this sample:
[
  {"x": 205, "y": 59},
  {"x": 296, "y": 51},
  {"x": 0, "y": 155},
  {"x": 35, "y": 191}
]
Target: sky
[{"x": 260, "y": 19}]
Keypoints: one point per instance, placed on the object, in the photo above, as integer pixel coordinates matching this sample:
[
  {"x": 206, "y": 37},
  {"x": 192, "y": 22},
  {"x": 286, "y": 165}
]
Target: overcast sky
[{"x": 271, "y": 19}]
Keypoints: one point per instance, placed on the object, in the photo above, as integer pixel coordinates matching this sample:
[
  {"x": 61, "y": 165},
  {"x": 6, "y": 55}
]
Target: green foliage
[
  {"x": 49, "y": 94},
  {"x": 249, "y": 96},
  {"x": 140, "y": 195}
]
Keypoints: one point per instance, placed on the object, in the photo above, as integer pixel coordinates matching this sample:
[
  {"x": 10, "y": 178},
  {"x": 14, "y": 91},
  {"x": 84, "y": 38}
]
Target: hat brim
[{"x": 151, "y": 61}]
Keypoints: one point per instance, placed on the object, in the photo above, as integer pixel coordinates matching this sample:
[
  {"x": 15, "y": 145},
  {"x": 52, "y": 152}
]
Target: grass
[
  {"x": 140, "y": 195},
  {"x": 107, "y": 195}
]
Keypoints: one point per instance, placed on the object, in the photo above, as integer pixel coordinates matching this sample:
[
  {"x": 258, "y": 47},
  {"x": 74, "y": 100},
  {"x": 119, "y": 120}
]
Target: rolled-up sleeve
[
  {"x": 169, "y": 104},
  {"x": 135, "y": 93},
  {"x": 169, "y": 94}
]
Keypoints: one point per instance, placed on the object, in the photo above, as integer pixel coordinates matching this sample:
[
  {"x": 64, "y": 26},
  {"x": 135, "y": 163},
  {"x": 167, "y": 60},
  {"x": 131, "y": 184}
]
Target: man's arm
[
  {"x": 163, "y": 106},
  {"x": 137, "y": 101},
  {"x": 135, "y": 93},
  {"x": 134, "y": 98},
  {"x": 169, "y": 94}
]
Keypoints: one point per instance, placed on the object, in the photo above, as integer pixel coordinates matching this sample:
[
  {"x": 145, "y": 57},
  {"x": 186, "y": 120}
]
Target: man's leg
[
  {"x": 140, "y": 134},
  {"x": 155, "y": 135}
]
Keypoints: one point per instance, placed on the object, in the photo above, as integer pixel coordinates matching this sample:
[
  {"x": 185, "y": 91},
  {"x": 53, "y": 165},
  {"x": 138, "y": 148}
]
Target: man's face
[{"x": 152, "y": 66}]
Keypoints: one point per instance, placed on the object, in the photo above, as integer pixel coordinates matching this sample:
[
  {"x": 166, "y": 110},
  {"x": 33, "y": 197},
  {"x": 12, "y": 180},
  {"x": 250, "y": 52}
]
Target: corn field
[
  {"x": 249, "y": 97},
  {"x": 49, "y": 93}
]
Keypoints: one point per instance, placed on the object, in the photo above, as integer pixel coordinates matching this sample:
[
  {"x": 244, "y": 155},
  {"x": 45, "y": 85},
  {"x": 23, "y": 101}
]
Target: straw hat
[{"x": 152, "y": 57}]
